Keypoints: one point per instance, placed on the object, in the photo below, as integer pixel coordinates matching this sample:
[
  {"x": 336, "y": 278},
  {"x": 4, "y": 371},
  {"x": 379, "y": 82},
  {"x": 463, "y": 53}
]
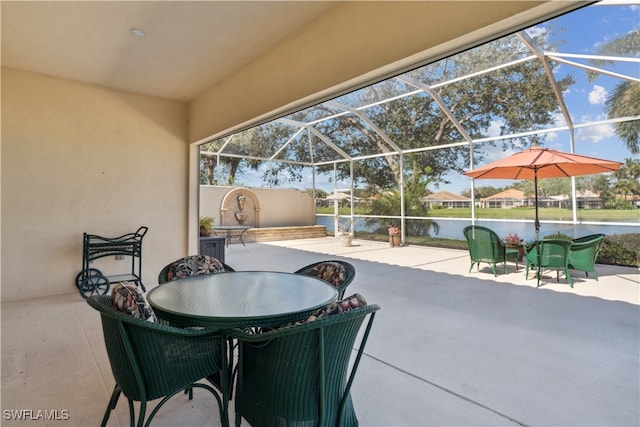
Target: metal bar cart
[{"x": 91, "y": 281}]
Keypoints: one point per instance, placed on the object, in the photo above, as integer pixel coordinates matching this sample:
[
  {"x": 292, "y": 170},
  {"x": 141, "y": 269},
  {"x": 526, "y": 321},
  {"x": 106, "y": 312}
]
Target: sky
[
  {"x": 585, "y": 31},
  {"x": 582, "y": 32}
]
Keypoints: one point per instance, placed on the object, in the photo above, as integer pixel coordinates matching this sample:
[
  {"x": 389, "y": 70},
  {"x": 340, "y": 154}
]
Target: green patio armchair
[
  {"x": 485, "y": 246},
  {"x": 338, "y": 273},
  {"x": 190, "y": 266},
  {"x": 153, "y": 361},
  {"x": 298, "y": 375},
  {"x": 549, "y": 254},
  {"x": 583, "y": 253}
]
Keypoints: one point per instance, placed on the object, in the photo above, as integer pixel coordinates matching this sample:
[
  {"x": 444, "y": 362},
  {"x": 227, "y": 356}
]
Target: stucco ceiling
[{"x": 186, "y": 47}]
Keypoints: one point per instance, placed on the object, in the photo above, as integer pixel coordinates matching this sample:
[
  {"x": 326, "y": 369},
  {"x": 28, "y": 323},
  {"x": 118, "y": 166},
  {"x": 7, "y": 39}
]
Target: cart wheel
[
  {"x": 80, "y": 277},
  {"x": 94, "y": 283}
]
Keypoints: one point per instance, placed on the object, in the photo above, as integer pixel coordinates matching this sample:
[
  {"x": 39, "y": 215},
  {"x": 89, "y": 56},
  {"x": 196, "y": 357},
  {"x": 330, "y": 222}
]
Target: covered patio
[{"x": 448, "y": 348}]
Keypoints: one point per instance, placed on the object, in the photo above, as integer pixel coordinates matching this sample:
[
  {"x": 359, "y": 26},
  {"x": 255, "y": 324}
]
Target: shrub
[
  {"x": 618, "y": 204},
  {"x": 620, "y": 249},
  {"x": 558, "y": 236}
]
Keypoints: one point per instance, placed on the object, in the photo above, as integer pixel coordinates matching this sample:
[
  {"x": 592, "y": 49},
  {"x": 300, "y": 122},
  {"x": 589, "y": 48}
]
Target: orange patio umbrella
[{"x": 538, "y": 162}]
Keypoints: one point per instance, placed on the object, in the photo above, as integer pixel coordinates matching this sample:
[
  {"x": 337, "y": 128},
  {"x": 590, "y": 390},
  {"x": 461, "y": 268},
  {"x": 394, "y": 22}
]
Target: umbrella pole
[
  {"x": 537, "y": 225},
  {"x": 535, "y": 189}
]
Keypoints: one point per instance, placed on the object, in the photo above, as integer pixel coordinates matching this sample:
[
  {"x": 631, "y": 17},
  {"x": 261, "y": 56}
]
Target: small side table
[
  {"x": 232, "y": 231},
  {"x": 213, "y": 246}
]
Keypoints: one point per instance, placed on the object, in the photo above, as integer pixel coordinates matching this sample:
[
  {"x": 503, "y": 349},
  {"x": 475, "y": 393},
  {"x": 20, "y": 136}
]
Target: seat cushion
[
  {"x": 337, "y": 307},
  {"x": 346, "y": 304},
  {"x": 331, "y": 272},
  {"x": 193, "y": 266},
  {"x": 127, "y": 299}
]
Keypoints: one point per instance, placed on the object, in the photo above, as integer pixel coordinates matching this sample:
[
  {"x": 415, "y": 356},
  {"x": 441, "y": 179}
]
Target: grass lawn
[
  {"x": 545, "y": 213},
  {"x": 519, "y": 213},
  {"x": 616, "y": 252}
]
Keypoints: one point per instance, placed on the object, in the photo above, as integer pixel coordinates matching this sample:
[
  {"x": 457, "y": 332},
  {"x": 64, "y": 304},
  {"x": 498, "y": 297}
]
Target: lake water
[{"x": 452, "y": 228}]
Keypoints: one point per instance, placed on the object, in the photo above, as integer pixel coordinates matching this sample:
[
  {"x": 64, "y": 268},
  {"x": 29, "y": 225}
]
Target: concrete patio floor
[{"x": 448, "y": 347}]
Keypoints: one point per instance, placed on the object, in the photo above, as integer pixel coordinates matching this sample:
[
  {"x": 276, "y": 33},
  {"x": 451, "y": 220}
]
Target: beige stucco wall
[
  {"x": 79, "y": 158},
  {"x": 299, "y": 206}
]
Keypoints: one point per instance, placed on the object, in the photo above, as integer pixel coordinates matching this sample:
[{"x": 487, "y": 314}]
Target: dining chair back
[
  {"x": 151, "y": 360},
  {"x": 549, "y": 254},
  {"x": 299, "y": 375},
  {"x": 583, "y": 253},
  {"x": 192, "y": 265},
  {"x": 338, "y": 273},
  {"x": 485, "y": 246}
]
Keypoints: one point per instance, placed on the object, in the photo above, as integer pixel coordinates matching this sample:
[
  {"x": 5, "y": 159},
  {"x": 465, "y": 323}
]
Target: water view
[{"x": 452, "y": 228}]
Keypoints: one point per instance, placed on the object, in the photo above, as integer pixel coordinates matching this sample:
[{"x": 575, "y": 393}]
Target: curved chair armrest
[
  {"x": 252, "y": 337},
  {"x": 581, "y": 245},
  {"x": 102, "y": 303},
  {"x": 350, "y": 273},
  {"x": 589, "y": 238}
]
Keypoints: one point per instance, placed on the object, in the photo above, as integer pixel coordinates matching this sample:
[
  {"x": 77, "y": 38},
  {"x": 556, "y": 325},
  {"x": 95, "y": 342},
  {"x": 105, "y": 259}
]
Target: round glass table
[{"x": 240, "y": 299}]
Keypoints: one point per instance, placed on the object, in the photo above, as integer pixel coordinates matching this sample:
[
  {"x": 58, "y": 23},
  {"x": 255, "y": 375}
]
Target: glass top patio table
[
  {"x": 231, "y": 229},
  {"x": 240, "y": 299}
]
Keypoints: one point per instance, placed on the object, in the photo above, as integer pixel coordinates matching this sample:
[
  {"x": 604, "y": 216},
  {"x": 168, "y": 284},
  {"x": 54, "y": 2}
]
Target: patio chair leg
[{"x": 112, "y": 405}]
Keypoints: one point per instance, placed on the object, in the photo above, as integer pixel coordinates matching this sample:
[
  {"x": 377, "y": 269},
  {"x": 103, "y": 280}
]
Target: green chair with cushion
[
  {"x": 337, "y": 273},
  {"x": 299, "y": 375},
  {"x": 191, "y": 266},
  {"x": 153, "y": 361},
  {"x": 549, "y": 254},
  {"x": 583, "y": 253},
  {"x": 485, "y": 246}
]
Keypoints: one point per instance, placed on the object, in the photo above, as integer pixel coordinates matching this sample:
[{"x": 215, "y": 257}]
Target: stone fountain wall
[
  {"x": 273, "y": 214},
  {"x": 240, "y": 206}
]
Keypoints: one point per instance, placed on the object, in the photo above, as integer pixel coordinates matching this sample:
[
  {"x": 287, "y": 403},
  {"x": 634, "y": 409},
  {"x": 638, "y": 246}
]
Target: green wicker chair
[
  {"x": 193, "y": 266},
  {"x": 193, "y": 259},
  {"x": 151, "y": 361},
  {"x": 349, "y": 274},
  {"x": 583, "y": 253},
  {"x": 485, "y": 246},
  {"x": 298, "y": 376},
  {"x": 549, "y": 254}
]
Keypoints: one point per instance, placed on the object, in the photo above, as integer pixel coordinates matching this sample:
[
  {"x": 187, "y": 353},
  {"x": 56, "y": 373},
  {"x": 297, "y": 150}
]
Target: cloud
[
  {"x": 537, "y": 31},
  {"x": 595, "y": 133},
  {"x": 597, "y": 95},
  {"x": 495, "y": 128}
]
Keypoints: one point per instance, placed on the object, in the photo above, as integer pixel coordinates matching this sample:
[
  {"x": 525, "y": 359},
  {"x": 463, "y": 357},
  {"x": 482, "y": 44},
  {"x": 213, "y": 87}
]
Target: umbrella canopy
[{"x": 538, "y": 162}]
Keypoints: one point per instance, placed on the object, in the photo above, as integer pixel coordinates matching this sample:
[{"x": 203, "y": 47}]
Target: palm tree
[{"x": 624, "y": 100}]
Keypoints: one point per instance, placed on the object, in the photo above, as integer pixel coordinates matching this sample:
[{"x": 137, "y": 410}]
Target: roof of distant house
[
  {"x": 442, "y": 196},
  {"x": 507, "y": 194}
]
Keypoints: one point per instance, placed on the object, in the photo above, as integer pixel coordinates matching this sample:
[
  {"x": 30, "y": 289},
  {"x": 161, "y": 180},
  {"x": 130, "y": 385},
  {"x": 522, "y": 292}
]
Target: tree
[
  {"x": 247, "y": 147},
  {"x": 518, "y": 98},
  {"x": 624, "y": 100},
  {"x": 482, "y": 192},
  {"x": 319, "y": 193},
  {"x": 628, "y": 179},
  {"x": 599, "y": 184},
  {"x": 546, "y": 187}
]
